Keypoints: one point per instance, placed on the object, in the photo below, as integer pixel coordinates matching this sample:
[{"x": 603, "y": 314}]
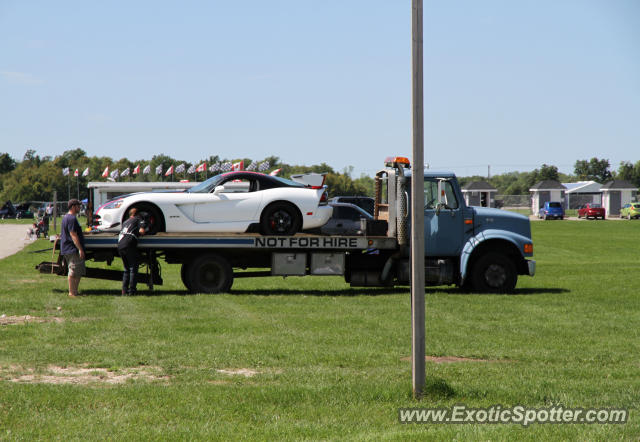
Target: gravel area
[{"x": 13, "y": 238}]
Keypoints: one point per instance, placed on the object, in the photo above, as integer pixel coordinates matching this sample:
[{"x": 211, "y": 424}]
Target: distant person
[
  {"x": 72, "y": 246},
  {"x": 132, "y": 228},
  {"x": 49, "y": 210}
]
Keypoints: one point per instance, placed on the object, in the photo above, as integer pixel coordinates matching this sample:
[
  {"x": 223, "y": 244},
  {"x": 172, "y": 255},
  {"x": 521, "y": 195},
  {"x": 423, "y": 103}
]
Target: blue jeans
[{"x": 130, "y": 275}]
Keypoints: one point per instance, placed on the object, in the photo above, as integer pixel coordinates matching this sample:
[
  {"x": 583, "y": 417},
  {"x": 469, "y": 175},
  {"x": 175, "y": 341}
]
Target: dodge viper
[{"x": 229, "y": 202}]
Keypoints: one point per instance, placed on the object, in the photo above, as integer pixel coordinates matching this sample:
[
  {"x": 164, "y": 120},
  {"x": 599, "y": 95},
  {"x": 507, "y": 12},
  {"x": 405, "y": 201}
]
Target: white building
[
  {"x": 547, "y": 190},
  {"x": 479, "y": 193},
  {"x": 616, "y": 194},
  {"x": 583, "y": 192}
]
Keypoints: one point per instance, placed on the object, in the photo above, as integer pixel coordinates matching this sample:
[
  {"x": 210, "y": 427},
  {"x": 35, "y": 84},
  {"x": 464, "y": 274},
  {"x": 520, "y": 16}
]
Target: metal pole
[
  {"x": 417, "y": 210},
  {"x": 55, "y": 210}
]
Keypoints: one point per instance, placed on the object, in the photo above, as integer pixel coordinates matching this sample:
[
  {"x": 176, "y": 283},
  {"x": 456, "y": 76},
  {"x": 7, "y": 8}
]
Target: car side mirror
[{"x": 218, "y": 189}]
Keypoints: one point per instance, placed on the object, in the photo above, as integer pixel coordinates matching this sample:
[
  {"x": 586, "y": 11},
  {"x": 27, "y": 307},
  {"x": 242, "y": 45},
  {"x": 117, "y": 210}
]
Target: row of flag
[{"x": 216, "y": 167}]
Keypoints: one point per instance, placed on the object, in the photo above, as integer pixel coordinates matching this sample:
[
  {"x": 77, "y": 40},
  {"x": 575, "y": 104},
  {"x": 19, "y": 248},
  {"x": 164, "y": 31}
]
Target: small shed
[
  {"x": 479, "y": 193},
  {"x": 547, "y": 190},
  {"x": 583, "y": 192},
  {"x": 616, "y": 194}
]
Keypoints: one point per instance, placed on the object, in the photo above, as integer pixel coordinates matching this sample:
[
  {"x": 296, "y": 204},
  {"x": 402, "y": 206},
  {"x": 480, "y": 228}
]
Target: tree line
[
  {"x": 35, "y": 178},
  {"x": 599, "y": 170}
]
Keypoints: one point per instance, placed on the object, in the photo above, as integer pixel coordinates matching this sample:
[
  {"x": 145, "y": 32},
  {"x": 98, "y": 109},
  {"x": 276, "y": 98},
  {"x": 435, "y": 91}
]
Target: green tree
[
  {"x": 7, "y": 164},
  {"x": 594, "y": 169}
]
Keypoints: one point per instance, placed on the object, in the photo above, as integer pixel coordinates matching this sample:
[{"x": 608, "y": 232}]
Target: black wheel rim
[
  {"x": 209, "y": 276},
  {"x": 495, "y": 275},
  {"x": 280, "y": 221}
]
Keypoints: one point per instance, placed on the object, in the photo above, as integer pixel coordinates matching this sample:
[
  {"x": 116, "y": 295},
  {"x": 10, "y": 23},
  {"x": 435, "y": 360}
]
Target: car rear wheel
[
  {"x": 152, "y": 216},
  {"x": 280, "y": 219}
]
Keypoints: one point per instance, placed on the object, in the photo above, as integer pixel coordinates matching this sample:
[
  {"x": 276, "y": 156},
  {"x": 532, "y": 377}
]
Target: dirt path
[{"x": 13, "y": 237}]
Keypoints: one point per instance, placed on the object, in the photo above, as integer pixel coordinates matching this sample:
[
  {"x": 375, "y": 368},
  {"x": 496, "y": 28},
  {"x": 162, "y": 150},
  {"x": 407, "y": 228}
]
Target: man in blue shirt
[{"x": 72, "y": 246}]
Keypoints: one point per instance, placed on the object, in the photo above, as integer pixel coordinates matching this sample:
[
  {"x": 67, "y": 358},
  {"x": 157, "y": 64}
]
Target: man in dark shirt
[
  {"x": 132, "y": 228},
  {"x": 72, "y": 246}
]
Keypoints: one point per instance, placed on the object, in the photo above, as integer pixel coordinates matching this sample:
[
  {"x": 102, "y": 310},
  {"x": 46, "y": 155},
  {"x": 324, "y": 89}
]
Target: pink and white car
[{"x": 229, "y": 202}]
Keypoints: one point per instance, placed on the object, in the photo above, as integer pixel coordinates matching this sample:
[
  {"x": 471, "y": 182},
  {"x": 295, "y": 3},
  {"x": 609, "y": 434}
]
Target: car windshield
[
  {"x": 206, "y": 186},
  {"x": 554, "y": 205},
  {"x": 595, "y": 206}
]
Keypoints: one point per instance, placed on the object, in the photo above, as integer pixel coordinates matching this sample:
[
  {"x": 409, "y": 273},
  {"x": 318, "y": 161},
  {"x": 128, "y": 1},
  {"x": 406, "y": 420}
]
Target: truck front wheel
[
  {"x": 494, "y": 272},
  {"x": 209, "y": 273}
]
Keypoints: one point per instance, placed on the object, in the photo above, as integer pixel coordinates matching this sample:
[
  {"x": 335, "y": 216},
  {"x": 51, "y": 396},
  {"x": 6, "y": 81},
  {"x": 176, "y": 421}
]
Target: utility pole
[
  {"x": 417, "y": 209},
  {"x": 489, "y": 171}
]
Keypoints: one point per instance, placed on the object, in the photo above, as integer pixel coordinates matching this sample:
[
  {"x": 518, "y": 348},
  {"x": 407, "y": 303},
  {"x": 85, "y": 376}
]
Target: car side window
[{"x": 238, "y": 186}]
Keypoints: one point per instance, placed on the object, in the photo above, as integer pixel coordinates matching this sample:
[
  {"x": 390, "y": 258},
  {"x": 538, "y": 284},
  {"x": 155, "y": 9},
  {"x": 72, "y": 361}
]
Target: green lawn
[{"x": 330, "y": 360}]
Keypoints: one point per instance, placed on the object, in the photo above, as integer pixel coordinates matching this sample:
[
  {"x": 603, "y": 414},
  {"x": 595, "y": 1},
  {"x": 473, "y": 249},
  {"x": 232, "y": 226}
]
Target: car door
[
  {"x": 238, "y": 202},
  {"x": 443, "y": 226}
]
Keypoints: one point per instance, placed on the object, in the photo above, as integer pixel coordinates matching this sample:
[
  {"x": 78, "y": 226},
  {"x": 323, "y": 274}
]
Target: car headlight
[{"x": 114, "y": 204}]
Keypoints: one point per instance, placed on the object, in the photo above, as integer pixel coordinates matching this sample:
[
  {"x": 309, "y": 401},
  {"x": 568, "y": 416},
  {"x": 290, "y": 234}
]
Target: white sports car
[{"x": 230, "y": 202}]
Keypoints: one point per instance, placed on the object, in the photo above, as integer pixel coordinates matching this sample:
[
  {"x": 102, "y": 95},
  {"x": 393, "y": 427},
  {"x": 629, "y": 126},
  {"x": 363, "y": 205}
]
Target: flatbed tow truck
[{"x": 477, "y": 248}]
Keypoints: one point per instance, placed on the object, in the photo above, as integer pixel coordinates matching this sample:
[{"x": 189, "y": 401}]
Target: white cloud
[{"x": 20, "y": 78}]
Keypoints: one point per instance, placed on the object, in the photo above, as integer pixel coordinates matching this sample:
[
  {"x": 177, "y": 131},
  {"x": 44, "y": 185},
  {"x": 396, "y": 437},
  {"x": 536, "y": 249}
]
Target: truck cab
[{"x": 476, "y": 247}]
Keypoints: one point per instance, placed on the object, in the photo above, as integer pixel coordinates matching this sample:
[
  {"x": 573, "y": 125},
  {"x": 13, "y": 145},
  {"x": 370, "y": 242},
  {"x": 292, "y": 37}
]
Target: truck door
[{"x": 443, "y": 219}]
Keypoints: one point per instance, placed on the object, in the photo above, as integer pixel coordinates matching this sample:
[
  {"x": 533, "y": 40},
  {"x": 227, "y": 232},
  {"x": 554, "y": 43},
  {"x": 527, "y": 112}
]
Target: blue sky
[{"x": 511, "y": 84}]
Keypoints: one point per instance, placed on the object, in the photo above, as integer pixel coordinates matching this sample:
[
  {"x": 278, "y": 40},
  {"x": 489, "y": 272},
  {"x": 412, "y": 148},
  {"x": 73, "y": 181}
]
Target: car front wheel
[{"x": 152, "y": 217}]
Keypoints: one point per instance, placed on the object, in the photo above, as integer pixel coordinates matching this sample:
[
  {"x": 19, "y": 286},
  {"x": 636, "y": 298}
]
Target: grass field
[{"x": 328, "y": 361}]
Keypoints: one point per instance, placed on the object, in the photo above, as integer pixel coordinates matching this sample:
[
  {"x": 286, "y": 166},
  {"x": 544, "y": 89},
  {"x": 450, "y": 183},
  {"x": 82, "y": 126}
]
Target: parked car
[
  {"x": 7, "y": 210},
  {"x": 364, "y": 202},
  {"x": 551, "y": 210},
  {"x": 631, "y": 210},
  {"x": 25, "y": 210},
  {"x": 345, "y": 220},
  {"x": 229, "y": 202},
  {"x": 591, "y": 210}
]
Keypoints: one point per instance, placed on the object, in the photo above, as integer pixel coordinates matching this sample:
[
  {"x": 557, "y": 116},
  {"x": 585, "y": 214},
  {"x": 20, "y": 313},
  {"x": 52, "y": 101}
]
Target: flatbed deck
[{"x": 245, "y": 241}]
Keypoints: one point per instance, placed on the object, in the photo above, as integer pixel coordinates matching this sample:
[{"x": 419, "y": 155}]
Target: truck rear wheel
[
  {"x": 209, "y": 273},
  {"x": 184, "y": 269},
  {"x": 494, "y": 272}
]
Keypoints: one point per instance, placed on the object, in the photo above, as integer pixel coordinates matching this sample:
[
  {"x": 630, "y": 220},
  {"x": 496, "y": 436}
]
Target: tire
[
  {"x": 183, "y": 275},
  {"x": 495, "y": 273},
  {"x": 209, "y": 273},
  {"x": 152, "y": 215},
  {"x": 280, "y": 219}
]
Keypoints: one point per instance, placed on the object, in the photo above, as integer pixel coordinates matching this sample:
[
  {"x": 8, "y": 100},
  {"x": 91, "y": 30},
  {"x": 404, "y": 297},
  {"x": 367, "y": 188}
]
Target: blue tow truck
[{"x": 476, "y": 248}]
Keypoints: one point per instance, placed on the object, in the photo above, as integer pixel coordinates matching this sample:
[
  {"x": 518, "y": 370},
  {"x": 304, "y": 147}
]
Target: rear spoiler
[{"x": 313, "y": 179}]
